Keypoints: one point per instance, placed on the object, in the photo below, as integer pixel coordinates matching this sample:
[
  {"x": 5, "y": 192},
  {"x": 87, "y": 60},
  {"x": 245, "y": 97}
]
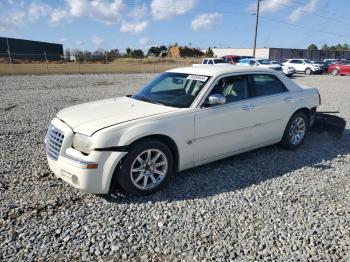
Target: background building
[
  {"x": 30, "y": 50},
  {"x": 280, "y": 54}
]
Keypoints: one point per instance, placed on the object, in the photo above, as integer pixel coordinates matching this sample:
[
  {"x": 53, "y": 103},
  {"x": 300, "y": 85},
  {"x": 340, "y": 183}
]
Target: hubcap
[
  {"x": 297, "y": 131},
  {"x": 149, "y": 169}
]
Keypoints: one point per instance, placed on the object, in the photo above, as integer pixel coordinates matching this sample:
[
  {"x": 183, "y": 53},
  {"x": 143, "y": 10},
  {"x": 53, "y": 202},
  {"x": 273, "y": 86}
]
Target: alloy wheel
[
  {"x": 149, "y": 169},
  {"x": 297, "y": 131}
]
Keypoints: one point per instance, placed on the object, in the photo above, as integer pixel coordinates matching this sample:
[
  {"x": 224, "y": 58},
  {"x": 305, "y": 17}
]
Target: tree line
[
  {"x": 103, "y": 55},
  {"x": 338, "y": 47}
]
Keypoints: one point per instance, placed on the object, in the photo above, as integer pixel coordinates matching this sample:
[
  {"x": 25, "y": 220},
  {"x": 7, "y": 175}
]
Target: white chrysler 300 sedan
[{"x": 185, "y": 117}]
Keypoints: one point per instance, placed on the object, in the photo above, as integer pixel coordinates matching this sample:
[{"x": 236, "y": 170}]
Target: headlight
[{"x": 82, "y": 143}]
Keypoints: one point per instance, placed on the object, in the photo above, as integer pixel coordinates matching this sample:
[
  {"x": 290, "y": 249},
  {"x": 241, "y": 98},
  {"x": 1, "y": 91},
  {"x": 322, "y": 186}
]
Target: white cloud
[
  {"x": 165, "y": 9},
  {"x": 271, "y": 6},
  {"x": 12, "y": 21},
  {"x": 138, "y": 12},
  {"x": 59, "y": 15},
  {"x": 206, "y": 21},
  {"x": 308, "y": 8},
  {"x": 37, "y": 10},
  {"x": 133, "y": 28},
  {"x": 61, "y": 40},
  {"x": 96, "y": 40},
  {"x": 79, "y": 42},
  {"x": 144, "y": 41},
  {"x": 102, "y": 11}
]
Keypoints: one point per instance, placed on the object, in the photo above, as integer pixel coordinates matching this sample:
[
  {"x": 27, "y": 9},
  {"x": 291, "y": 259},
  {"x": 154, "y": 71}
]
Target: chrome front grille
[{"x": 54, "y": 139}]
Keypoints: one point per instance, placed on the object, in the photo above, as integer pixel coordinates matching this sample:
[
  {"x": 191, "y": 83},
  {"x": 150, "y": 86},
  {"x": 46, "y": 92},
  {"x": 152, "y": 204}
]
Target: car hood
[{"x": 90, "y": 117}]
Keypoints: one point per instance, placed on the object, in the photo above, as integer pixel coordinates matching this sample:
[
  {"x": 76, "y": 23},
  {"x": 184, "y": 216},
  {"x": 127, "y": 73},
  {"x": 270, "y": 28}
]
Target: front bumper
[
  {"x": 317, "y": 70},
  {"x": 89, "y": 173}
]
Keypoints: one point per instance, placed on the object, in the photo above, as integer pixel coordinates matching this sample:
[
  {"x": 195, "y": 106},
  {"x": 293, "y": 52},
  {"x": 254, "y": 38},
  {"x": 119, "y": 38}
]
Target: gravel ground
[{"x": 268, "y": 204}]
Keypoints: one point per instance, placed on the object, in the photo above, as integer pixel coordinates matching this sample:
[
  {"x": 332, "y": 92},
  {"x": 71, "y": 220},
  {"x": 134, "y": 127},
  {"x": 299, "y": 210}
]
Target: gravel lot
[{"x": 269, "y": 204}]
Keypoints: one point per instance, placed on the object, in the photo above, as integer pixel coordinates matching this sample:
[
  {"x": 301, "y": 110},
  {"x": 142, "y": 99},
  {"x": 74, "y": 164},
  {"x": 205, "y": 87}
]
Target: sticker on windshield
[{"x": 197, "y": 77}]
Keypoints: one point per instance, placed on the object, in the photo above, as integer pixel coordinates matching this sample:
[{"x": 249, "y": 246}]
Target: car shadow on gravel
[{"x": 248, "y": 169}]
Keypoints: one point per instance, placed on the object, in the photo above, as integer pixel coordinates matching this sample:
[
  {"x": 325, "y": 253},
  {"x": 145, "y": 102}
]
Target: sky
[{"x": 107, "y": 24}]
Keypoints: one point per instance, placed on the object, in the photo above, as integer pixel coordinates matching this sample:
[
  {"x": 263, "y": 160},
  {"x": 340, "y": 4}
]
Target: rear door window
[{"x": 267, "y": 85}]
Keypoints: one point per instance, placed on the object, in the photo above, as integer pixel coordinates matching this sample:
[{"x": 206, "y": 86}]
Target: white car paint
[
  {"x": 201, "y": 134},
  {"x": 211, "y": 61},
  {"x": 300, "y": 65}
]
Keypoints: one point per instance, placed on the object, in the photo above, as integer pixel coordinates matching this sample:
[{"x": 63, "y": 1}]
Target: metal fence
[
  {"x": 281, "y": 54},
  {"x": 19, "y": 67},
  {"x": 30, "y": 50}
]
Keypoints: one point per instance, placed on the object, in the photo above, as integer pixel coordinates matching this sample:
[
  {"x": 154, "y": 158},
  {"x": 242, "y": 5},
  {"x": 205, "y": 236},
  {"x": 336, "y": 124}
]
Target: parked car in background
[
  {"x": 184, "y": 118},
  {"x": 330, "y": 61},
  {"x": 322, "y": 64},
  {"x": 304, "y": 66},
  {"x": 234, "y": 59},
  {"x": 339, "y": 68},
  {"x": 287, "y": 70},
  {"x": 211, "y": 61},
  {"x": 260, "y": 62}
]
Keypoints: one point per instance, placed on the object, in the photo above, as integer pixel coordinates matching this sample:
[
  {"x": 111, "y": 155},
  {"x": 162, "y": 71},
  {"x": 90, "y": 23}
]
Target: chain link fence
[{"x": 37, "y": 64}]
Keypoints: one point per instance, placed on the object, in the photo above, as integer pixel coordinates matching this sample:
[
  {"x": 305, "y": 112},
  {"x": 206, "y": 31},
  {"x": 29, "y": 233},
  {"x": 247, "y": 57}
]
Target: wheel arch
[
  {"x": 307, "y": 111},
  {"x": 168, "y": 141}
]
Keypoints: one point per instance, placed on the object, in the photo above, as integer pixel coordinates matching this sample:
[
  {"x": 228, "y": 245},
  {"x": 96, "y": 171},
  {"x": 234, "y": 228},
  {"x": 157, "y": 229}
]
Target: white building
[
  {"x": 260, "y": 52},
  {"x": 280, "y": 54}
]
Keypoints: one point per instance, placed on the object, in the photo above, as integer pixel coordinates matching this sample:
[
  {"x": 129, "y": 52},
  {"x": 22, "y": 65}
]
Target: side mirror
[{"x": 216, "y": 99}]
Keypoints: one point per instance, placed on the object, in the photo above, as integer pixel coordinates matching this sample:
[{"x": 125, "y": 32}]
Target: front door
[{"x": 224, "y": 129}]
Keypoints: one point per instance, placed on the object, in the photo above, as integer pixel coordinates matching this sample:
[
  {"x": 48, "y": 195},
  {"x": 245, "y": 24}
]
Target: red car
[
  {"x": 340, "y": 68},
  {"x": 234, "y": 59}
]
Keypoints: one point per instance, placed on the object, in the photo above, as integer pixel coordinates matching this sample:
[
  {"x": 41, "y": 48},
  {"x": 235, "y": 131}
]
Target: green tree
[
  {"x": 113, "y": 54},
  {"x": 156, "y": 50},
  {"x": 209, "y": 52},
  {"x": 312, "y": 47},
  {"x": 325, "y": 47}
]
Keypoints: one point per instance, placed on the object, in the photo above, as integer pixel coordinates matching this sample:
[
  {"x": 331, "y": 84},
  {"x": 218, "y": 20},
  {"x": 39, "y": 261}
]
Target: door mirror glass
[{"x": 216, "y": 99}]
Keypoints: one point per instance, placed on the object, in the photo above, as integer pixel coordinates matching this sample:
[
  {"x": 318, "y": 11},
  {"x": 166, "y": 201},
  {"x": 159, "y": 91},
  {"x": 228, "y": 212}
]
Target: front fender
[{"x": 179, "y": 128}]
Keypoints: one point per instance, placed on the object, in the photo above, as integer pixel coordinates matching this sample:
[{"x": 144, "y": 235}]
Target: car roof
[{"x": 209, "y": 70}]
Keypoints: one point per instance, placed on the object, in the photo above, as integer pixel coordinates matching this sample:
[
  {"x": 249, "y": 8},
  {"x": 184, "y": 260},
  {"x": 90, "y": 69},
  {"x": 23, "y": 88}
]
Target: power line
[
  {"x": 314, "y": 13},
  {"x": 235, "y": 13}
]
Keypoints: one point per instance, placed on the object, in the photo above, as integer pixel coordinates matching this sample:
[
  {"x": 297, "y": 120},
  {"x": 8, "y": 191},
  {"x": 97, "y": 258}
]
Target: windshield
[
  {"x": 217, "y": 61},
  {"x": 172, "y": 89},
  {"x": 307, "y": 61},
  {"x": 264, "y": 62}
]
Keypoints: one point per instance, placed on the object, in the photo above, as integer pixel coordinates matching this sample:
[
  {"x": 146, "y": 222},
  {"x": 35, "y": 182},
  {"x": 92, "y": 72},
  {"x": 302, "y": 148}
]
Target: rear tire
[
  {"x": 146, "y": 168},
  {"x": 296, "y": 130},
  {"x": 308, "y": 71}
]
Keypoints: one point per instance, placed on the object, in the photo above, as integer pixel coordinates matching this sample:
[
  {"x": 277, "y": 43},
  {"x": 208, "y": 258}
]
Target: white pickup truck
[
  {"x": 184, "y": 118},
  {"x": 212, "y": 61}
]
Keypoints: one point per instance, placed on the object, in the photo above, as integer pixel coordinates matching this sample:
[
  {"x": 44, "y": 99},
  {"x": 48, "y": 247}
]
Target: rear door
[
  {"x": 273, "y": 105},
  {"x": 297, "y": 64}
]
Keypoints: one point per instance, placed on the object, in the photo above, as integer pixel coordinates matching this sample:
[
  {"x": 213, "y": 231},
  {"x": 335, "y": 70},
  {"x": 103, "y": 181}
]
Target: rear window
[
  {"x": 218, "y": 61},
  {"x": 267, "y": 85}
]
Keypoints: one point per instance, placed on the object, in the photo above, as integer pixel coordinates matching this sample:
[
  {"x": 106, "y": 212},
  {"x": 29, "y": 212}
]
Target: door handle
[
  {"x": 248, "y": 107},
  {"x": 289, "y": 99}
]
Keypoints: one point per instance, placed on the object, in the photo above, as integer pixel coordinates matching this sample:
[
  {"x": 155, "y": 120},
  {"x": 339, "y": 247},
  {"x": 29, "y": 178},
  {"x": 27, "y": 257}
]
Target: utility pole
[{"x": 256, "y": 25}]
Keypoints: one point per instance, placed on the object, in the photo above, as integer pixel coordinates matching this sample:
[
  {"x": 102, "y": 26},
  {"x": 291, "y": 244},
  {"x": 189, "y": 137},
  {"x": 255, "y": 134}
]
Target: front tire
[
  {"x": 335, "y": 72},
  {"x": 295, "y": 132},
  {"x": 146, "y": 168}
]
